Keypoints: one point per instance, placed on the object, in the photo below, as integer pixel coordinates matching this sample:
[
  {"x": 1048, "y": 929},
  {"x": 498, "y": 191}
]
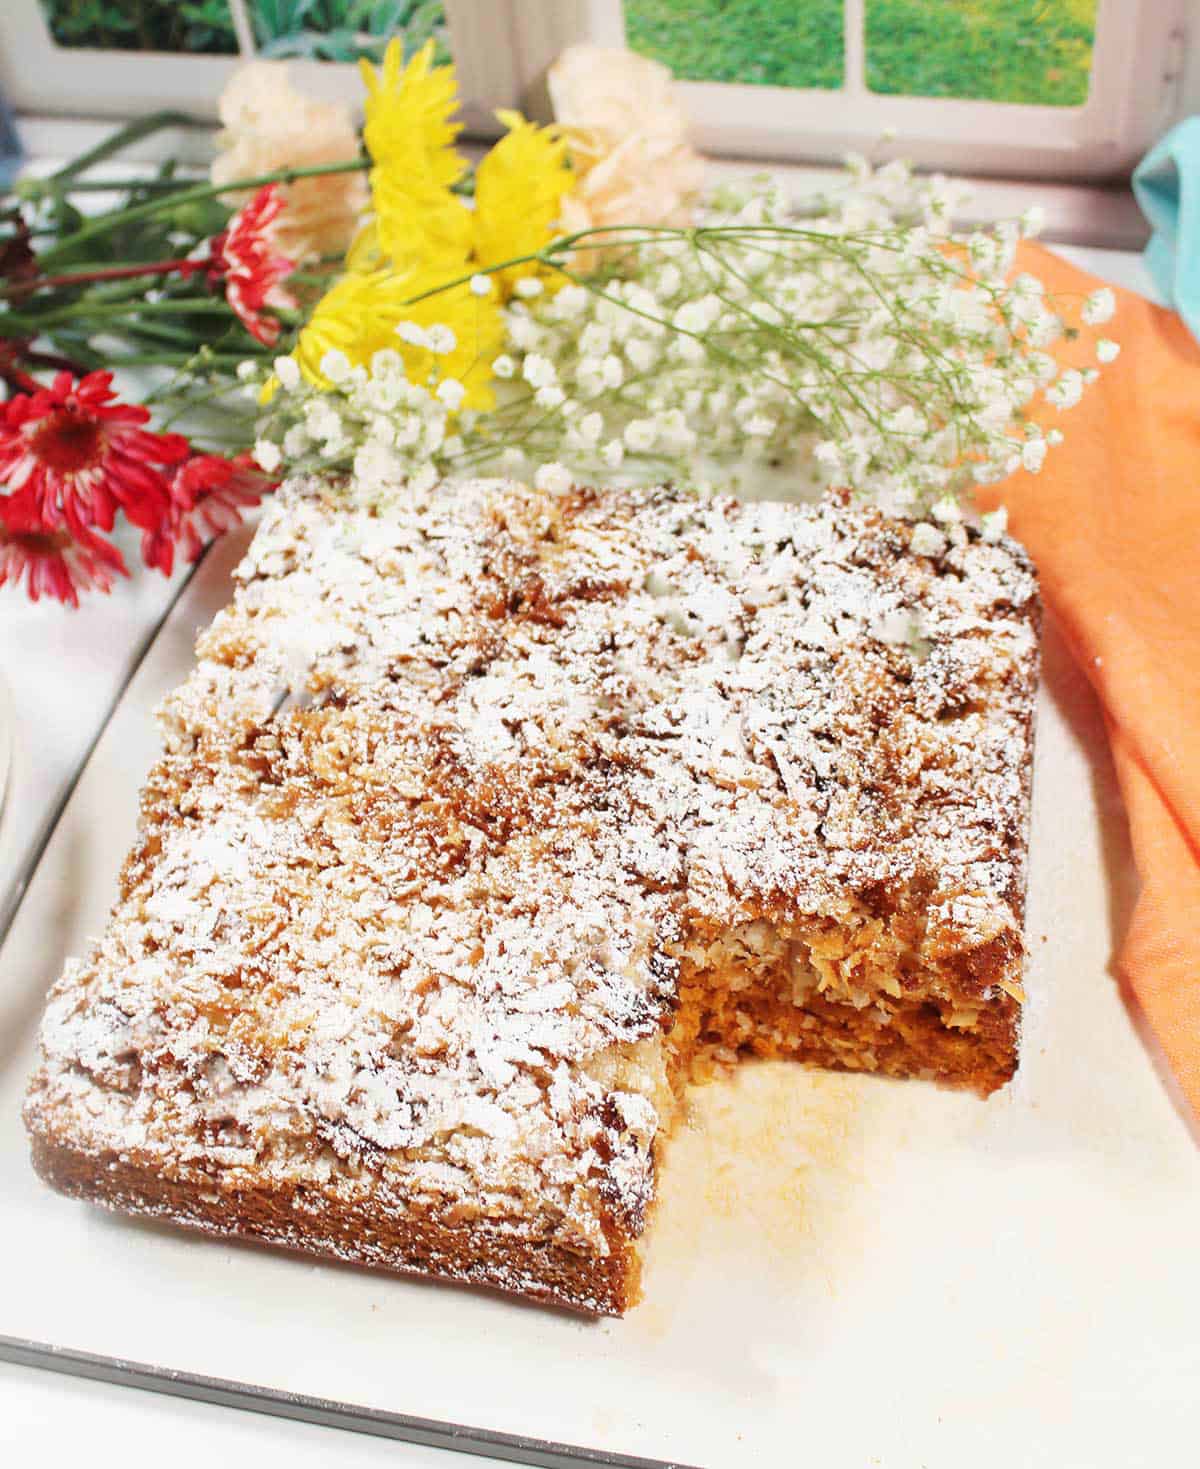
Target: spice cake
[{"x": 489, "y": 818}]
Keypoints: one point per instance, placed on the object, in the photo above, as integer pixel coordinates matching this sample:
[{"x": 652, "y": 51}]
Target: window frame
[
  {"x": 503, "y": 47},
  {"x": 40, "y": 78},
  {"x": 1136, "y": 69}
]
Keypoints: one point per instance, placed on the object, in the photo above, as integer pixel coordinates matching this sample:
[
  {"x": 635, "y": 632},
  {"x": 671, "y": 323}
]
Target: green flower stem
[
  {"x": 192, "y": 402},
  {"x": 581, "y": 239},
  {"x": 105, "y": 223},
  {"x": 175, "y": 359},
  {"x": 132, "y": 132},
  {"x": 117, "y": 186},
  {"x": 84, "y": 312},
  {"x": 785, "y": 335},
  {"x": 159, "y": 331}
]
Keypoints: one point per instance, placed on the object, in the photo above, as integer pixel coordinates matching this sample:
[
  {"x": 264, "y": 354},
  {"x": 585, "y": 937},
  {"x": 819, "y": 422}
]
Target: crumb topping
[{"x": 455, "y": 781}]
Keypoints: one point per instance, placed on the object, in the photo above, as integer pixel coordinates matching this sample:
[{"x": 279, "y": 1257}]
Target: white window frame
[
  {"x": 44, "y": 80},
  {"x": 1134, "y": 95},
  {"x": 502, "y": 49}
]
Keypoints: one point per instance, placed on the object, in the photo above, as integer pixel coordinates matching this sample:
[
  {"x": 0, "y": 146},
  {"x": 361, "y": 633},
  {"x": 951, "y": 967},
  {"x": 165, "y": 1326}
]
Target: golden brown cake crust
[
  {"x": 486, "y": 816},
  {"x": 294, "y": 1218}
]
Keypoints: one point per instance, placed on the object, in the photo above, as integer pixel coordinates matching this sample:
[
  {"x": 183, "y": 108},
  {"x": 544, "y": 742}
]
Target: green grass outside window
[{"x": 1036, "y": 51}]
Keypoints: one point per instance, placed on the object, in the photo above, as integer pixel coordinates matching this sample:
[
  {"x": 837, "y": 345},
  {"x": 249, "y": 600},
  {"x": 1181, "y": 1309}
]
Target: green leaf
[{"x": 277, "y": 19}]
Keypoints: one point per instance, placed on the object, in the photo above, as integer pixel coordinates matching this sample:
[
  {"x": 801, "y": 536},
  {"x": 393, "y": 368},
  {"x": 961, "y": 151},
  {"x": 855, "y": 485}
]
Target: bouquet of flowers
[{"x": 575, "y": 306}]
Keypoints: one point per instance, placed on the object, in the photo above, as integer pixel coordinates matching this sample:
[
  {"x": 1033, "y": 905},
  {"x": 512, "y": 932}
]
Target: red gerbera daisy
[
  {"x": 208, "y": 496},
  {"x": 70, "y": 455},
  {"x": 246, "y": 256},
  {"x": 57, "y": 563}
]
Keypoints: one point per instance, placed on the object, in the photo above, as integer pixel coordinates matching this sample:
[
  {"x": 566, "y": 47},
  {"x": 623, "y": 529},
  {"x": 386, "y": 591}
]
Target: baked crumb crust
[{"x": 488, "y": 818}]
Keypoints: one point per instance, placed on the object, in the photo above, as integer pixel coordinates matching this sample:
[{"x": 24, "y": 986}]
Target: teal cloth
[{"x": 1166, "y": 185}]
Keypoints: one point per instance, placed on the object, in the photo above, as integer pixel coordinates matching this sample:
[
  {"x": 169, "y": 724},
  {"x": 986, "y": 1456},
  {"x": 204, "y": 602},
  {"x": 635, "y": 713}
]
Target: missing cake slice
[{"x": 488, "y": 819}]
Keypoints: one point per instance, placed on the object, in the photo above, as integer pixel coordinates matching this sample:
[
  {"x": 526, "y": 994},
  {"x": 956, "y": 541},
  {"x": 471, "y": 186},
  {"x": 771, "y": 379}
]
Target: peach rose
[
  {"x": 628, "y": 140},
  {"x": 269, "y": 125}
]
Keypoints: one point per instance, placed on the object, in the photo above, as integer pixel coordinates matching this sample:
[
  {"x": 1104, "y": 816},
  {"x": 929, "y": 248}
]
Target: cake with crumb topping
[{"x": 489, "y": 819}]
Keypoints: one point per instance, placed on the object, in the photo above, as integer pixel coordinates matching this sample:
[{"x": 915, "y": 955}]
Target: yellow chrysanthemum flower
[
  {"x": 411, "y": 139},
  {"x": 519, "y": 188},
  {"x": 417, "y": 220},
  {"x": 360, "y": 314},
  {"x": 365, "y": 253},
  {"x": 408, "y": 114}
]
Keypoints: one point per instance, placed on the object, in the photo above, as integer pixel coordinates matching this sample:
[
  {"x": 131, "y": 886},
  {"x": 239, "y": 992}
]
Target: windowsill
[{"x": 1078, "y": 214}]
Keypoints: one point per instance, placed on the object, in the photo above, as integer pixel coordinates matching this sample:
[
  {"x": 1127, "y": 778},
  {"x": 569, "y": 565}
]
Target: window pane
[
  {"x": 344, "y": 30},
  {"x": 780, "y": 43},
  {"x": 999, "y": 50},
  {"x": 316, "y": 30},
  {"x": 202, "y": 26}
]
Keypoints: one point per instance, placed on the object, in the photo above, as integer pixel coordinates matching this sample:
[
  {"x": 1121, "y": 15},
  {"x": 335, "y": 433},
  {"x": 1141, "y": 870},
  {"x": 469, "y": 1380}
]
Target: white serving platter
[{"x": 843, "y": 1271}]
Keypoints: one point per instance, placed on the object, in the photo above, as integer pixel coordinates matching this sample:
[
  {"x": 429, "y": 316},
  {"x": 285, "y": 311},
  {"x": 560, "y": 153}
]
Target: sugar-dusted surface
[
  {"x": 412, "y": 939},
  {"x": 814, "y": 1231}
]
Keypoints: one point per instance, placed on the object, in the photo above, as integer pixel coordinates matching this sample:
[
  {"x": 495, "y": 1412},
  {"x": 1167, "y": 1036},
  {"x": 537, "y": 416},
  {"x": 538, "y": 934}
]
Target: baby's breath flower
[
  {"x": 994, "y": 524},
  {"x": 335, "y": 365},
  {"x": 424, "y": 479},
  {"x": 287, "y": 370},
  {"x": 570, "y": 302},
  {"x": 268, "y": 455},
  {"x": 641, "y": 354},
  {"x": 946, "y": 510},
  {"x": 591, "y": 427},
  {"x": 1067, "y": 390},
  {"x": 1033, "y": 221},
  {"x": 612, "y": 374},
  {"x": 1107, "y": 350},
  {"x": 669, "y": 281},
  {"x": 538, "y": 371},
  {"x": 1045, "y": 328},
  {"x": 595, "y": 340},
  {"x": 640, "y": 435},
  {"x": 387, "y": 364},
  {"x": 376, "y": 466},
  {"x": 440, "y": 339},
  {"x": 868, "y": 346},
  {"x": 1099, "y": 307},
  {"x": 451, "y": 392},
  {"x": 523, "y": 332}
]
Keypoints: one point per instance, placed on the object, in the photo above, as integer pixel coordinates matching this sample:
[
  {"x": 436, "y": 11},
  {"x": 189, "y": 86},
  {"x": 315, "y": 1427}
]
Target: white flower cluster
[
  {"x": 375, "y": 423},
  {"x": 863, "y": 344}
]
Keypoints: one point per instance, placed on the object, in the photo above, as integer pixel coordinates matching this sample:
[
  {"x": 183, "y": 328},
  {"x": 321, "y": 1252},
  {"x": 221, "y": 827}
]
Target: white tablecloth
[{"x": 65, "y": 670}]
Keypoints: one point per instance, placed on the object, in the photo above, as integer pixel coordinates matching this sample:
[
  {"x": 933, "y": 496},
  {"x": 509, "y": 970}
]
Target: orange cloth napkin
[{"x": 1113, "y": 522}]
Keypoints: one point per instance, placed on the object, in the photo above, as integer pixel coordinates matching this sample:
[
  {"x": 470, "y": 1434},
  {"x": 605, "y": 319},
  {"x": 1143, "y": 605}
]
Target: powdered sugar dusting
[{"x": 451, "y": 783}]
